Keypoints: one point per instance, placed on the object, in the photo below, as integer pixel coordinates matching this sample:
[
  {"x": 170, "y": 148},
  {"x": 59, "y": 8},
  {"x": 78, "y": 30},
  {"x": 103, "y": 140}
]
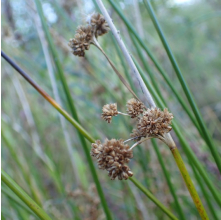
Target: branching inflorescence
[{"x": 113, "y": 155}]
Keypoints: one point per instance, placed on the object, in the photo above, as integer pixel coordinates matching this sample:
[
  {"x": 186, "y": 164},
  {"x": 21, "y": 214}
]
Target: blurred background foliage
[{"x": 32, "y": 130}]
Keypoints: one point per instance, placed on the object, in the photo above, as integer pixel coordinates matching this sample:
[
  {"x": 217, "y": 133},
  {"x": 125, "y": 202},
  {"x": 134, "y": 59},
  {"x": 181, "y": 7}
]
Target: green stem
[
  {"x": 15, "y": 200},
  {"x": 169, "y": 83},
  {"x": 167, "y": 176},
  {"x": 186, "y": 90},
  {"x": 161, "y": 103},
  {"x": 24, "y": 196},
  {"x": 205, "y": 194},
  {"x": 22, "y": 166},
  {"x": 150, "y": 196},
  {"x": 189, "y": 183}
]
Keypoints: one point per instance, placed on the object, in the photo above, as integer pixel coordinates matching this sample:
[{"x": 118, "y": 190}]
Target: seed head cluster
[
  {"x": 85, "y": 35},
  {"x": 99, "y": 24},
  {"x": 113, "y": 155},
  {"x": 109, "y": 111},
  {"x": 81, "y": 41},
  {"x": 134, "y": 107},
  {"x": 154, "y": 122}
]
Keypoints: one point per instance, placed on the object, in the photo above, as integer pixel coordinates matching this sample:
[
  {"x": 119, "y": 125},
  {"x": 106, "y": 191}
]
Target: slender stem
[
  {"x": 189, "y": 183},
  {"x": 23, "y": 167},
  {"x": 167, "y": 176},
  {"x": 168, "y": 81},
  {"x": 188, "y": 151},
  {"x": 36, "y": 144},
  {"x": 75, "y": 123},
  {"x": 206, "y": 135},
  {"x": 150, "y": 195},
  {"x": 121, "y": 113},
  {"x": 80, "y": 128},
  {"x": 51, "y": 74},
  {"x": 115, "y": 70},
  {"x": 139, "y": 142},
  {"x": 130, "y": 139},
  {"x": 116, "y": 34},
  {"x": 48, "y": 98},
  {"x": 24, "y": 196},
  {"x": 206, "y": 194},
  {"x": 15, "y": 199}
]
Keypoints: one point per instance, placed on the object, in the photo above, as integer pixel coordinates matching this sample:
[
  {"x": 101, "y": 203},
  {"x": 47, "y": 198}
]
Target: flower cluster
[
  {"x": 113, "y": 155},
  {"x": 154, "y": 122},
  {"x": 134, "y": 107},
  {"x": 109, "y": 111},
  {"x": 150, "y": 122},
  {"x": 85, "y": 35}
]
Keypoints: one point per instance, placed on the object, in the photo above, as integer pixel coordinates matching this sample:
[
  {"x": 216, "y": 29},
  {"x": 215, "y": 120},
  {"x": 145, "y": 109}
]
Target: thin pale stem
[
  {"x": 139, "y": 142},
  {"x": 71, "y": 151},
  {"x": 131, "y": 139},
  {"x": 121, "y": 113},
  {"x": 120, "y": 42}
]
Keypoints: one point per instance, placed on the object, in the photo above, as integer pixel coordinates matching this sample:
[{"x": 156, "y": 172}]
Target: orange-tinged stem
[{"x": 189, "y": 183}]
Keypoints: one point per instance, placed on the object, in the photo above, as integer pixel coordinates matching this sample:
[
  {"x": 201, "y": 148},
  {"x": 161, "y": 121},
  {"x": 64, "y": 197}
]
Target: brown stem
[{"x": 115, "y": 70}]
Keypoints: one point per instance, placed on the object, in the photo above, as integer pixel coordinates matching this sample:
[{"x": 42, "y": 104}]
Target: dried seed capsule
[{"x": 115, "y": 166}]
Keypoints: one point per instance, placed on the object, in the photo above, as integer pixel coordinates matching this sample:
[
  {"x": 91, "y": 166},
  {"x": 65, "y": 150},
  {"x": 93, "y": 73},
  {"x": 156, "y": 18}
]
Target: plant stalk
[
  {"x": 187, "y": 178},
  {"x": 169, "y": 141},
  {"x": 127, "y": 56},
  {"x": 24, "y": 196},
  {"x": 115, "y": 70},
  {"x": 205, "y": 132}
]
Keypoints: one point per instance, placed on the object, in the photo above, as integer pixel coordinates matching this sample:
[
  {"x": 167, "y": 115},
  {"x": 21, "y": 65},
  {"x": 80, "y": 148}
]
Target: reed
[{"x": 53, "y": 152}]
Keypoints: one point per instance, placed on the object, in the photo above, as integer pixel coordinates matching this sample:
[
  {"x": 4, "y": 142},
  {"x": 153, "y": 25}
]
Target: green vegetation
[{"x": 46, "y": 162}]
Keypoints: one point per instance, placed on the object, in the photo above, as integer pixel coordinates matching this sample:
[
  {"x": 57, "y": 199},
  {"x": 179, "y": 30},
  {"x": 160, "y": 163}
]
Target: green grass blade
[
  {"x": 188, "y": 94},
  {"x": 169, "y": 83},
  {"x": 72, "y": 107},
  {"x": 15, "y": 199},
  {"x": 26, "y": 175},
  {"x": 24, "y": 196},
  {"x": 80, "y": 128}
]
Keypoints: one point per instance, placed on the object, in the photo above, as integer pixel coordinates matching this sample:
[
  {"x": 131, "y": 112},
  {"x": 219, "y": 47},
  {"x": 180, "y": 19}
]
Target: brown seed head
[
  {"x": 81, "y": 40},
  {"x": 113, "y": 156},
  {"x": 98, "y": 23},
  {"x": 109, "y": 111},
  {"x": 154, "y": 122},
  {"x": 134, "y": 107}
]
